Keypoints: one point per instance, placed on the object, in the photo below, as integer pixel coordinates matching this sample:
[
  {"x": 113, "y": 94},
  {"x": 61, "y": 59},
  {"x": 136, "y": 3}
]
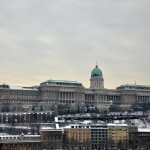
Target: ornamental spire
[{"x": 96, "y": 64}]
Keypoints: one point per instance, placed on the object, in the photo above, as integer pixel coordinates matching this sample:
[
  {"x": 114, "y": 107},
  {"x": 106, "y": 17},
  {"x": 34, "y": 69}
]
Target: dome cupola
[
  {"x": 96, "y": 72},
  {"x": 97, "y": 80}
]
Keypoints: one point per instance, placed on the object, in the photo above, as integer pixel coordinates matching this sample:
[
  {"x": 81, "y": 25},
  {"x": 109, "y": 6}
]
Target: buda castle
[{"x": 72, "y": 93}]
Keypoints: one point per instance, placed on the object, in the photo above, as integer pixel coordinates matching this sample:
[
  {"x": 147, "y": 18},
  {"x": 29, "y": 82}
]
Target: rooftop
[
  {"x": 134, "y": 86},
  {"x": 117, "y": 124},
  {"x": 76, "y": 126},
  {"x": 23, "y": 88},
  {"x": 20, "y": 138},
  {"x": 61, "y": 83},
  {"x": 143, "y": 129},
  {"x": 5, "y": 86}
]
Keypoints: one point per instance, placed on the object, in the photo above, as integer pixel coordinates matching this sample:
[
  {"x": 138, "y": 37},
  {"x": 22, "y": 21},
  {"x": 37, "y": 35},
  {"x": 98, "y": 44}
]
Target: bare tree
[{"x": 111, "y": 143}]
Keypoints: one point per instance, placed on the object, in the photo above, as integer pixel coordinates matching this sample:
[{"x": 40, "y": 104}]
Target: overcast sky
[{"x": 63, "y": 39}]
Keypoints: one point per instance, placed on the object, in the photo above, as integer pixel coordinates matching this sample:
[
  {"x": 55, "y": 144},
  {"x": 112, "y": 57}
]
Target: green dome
[
  {"x": 4, "y": 86},
  {"x": 96, "y": 72}
]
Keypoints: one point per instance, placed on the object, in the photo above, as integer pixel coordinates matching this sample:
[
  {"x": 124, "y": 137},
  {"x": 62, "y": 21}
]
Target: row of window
[
  {"x": 99, "y": 139},
  {"x": 79, "y": 127},
  {"x": 99, "y": 130},
  {"x": 102, "y": 135},
  {"x": 118, "y": 129},
  {"x": 52, "y": 138},
  {"x": 66, "y": 101},
  {"x": 118, "y": 137}
]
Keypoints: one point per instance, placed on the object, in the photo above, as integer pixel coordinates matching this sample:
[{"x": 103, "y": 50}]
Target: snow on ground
[
  {"x": 141, "y": 123},
  {"x": 87, "y": 121}
]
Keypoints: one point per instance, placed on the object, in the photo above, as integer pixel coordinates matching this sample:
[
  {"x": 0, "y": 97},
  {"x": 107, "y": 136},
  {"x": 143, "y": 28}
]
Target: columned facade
[{"x": 72, "y": 93}]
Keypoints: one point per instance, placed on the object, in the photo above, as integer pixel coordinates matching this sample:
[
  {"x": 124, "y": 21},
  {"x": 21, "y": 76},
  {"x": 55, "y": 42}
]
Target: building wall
[
  {"x": 51, "y": 139},
  {"x": 118, "y": 132},
  {"x": 72, "y": 95},
  {"x": 133, "y": 135},
  {"x": 30, "y": 117},
  {"x": 97, "y": 83},
  {"x": 62, "y": 94},
  {"x": 20, "y": 142},
  {"x": 78, "y": 136},
  {"x": 21, "y": 146},
  {"x": 19, "y": 96},
  {"x": 99, "y": 136},
  {"x": 144, "y": 138}
]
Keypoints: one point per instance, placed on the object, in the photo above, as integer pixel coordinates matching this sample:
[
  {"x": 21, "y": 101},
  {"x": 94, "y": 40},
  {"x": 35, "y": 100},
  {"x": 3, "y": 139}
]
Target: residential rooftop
[
  {"x": 117, "y": 125},
  {"x": 144, "y": 130}
]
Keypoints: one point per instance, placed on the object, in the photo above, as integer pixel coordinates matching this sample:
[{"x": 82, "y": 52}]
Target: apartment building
[
  {"x": 98, "y": 136},
  {"x": 117, "y": 134},
  {"x": 77, "y": 136}
]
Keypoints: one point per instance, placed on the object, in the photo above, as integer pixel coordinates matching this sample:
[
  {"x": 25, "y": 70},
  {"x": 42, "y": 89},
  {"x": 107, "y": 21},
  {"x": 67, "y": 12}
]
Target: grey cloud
[{"x": 63, "y": 39}]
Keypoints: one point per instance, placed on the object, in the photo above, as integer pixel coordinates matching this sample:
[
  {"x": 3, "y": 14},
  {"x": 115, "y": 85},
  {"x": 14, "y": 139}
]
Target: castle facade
[{"x": 73, "y": 92}]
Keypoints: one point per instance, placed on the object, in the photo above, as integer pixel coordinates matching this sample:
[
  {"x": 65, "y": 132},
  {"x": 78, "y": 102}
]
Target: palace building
[{"x": 73, "y": 92}]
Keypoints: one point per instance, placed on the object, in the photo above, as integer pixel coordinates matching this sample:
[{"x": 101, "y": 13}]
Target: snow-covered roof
[
  {"x": 9, "y": 135},
  {"x": 143, "y": 129},
  {"x": 117, "y": 125},
  {"x": 51, "y": 130},
  {"x": 46, "y": 128},
  {"x": 76, "y": 126},
  {"x": 86, "y": 122}
]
